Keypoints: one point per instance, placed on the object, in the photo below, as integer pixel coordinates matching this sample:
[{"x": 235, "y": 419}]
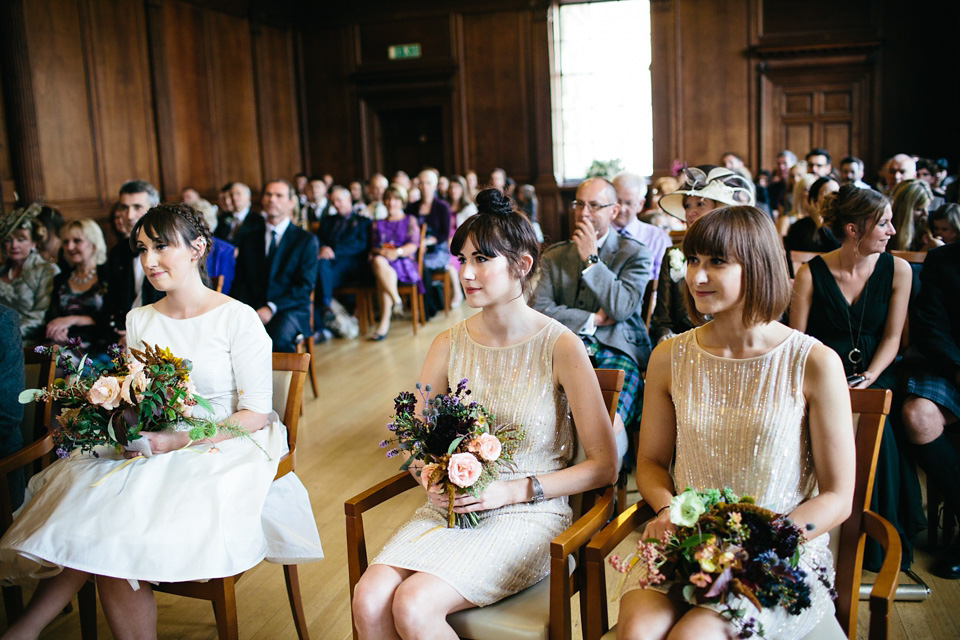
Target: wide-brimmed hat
[
  {"x": 720, "y": 185},
  {"x": 17, "y": 218}
]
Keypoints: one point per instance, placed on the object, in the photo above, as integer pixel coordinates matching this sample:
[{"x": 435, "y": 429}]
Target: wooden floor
[{"x": 339, "y": 457}]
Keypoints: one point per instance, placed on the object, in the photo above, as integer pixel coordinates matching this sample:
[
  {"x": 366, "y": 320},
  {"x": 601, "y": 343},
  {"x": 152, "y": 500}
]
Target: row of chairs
[
  {"x": 544, "y": 610},
  {"x": 289, "y": 376}
]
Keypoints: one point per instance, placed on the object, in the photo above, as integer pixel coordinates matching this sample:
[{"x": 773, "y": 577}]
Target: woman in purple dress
[{"x": 396, "y": 240}]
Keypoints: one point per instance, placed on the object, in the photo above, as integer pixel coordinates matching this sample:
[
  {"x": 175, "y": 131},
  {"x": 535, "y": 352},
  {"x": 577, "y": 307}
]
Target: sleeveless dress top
[
  {"x": 838, "y": 324},
  {"x": 509, "y": 549},
  {"x": 741, "y": 423},
  {"x": 398, "y": 233}
]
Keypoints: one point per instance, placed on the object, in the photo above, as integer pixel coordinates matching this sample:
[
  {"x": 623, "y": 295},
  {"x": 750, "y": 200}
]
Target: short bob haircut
[
  {"x": 92, "y": 232},
  {"x": 175, "y": 224},
  {"x": 395, "y": 191},
  {"x": 500, "y": 230},
  {"x": 747, "y": 236}
]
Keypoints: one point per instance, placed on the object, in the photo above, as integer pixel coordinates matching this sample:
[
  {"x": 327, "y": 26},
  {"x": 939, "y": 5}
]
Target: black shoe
[{"x": 947, "y": 564}]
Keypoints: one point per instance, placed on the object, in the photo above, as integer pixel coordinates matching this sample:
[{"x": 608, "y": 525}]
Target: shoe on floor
[
  {"x": 947, "y": 564},
  {"x": 377, "y": 337}
]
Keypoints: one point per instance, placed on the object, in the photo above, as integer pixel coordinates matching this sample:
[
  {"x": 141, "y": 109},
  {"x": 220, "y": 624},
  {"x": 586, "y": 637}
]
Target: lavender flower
[
  {"x": 62, "y": 453},
  {"x": 393, "y": 453},
  {"x": 384, "y": 443}
]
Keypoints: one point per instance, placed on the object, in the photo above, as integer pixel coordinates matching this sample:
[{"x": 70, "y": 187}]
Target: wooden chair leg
[
  {"x": 292, "y": 578},
  {"x": 447, "y": 293},
  {"x": 225, "y": 611},
  {"x": 87, "y": 604},
  {"x": 312, "y": 372}
]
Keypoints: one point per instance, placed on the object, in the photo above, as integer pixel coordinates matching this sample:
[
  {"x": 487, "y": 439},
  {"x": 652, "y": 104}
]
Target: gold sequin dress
[
  {"x": 741, "y": 423},
  {"x": 509, "y": 549}
]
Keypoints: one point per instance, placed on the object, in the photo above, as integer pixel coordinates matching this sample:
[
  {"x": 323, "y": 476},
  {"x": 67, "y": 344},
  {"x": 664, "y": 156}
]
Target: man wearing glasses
[{"x": 594, "y": 285}]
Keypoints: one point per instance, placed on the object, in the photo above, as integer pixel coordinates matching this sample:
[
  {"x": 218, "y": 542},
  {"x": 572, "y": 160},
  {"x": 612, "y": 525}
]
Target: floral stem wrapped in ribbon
[
  {"x": 726, "y": 546},
  {"x": 458, "y": 442},
  {"x": 148, "y": 390}
]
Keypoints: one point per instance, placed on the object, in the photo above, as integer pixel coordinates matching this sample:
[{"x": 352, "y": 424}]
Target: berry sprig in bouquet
[
  {"x": 459, "y": 442},
  {"x": 148, "y": 390},
  {"x": 726, "y": 546}
]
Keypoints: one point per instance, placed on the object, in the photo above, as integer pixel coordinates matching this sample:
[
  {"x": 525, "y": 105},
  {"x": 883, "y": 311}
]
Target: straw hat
[
  {"x": 17, "y": 218},
  {"x": 723, "y": 186}
]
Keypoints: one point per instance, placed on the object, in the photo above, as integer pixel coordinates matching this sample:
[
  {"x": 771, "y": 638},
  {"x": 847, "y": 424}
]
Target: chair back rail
[
  {"x": 297, "y": 364},
  {"x": 40, "y": 371}
]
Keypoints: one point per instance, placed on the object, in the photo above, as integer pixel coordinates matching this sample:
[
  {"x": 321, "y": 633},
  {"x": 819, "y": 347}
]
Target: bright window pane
[{"x": 602, "y": 99}]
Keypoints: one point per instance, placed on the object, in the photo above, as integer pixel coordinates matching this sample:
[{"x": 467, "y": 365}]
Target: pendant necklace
[{"x": 855, "y": 356}]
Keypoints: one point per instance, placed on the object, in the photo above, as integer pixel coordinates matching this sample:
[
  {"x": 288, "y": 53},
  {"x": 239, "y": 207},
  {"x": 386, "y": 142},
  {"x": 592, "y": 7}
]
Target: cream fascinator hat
[
  {"x": 18, "y": 218},
  {"x": 721, "y": 185}
]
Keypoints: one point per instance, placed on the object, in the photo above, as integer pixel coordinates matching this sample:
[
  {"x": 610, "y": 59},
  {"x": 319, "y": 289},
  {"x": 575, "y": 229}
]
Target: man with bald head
[
  {"x": 897, "y": 169},
  {"x": 594, "y": 285},
  {"x": 631, "y": 193}
]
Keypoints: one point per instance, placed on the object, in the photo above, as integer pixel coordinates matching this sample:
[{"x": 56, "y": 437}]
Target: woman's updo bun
[
  {"x": 851, "y": 204},
  {"x": 498, "y": 229},
  {"x": 493, "y": 201}
]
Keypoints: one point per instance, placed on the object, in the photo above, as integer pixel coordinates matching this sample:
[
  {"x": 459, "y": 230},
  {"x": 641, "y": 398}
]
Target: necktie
[{"x": 273, "y": 246}]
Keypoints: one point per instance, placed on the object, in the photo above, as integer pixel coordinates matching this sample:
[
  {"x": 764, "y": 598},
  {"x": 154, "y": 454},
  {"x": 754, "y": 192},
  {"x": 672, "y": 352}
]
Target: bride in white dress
[{"x": 190, "y": 511}]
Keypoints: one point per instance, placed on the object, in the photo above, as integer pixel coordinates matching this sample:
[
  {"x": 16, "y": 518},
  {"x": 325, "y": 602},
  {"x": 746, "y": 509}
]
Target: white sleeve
[{"x": 251, "y": 354}]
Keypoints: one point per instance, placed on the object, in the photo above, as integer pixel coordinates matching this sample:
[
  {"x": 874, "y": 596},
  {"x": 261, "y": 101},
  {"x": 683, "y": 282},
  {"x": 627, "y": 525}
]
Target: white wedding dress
[{"x": 190, "y": 514}]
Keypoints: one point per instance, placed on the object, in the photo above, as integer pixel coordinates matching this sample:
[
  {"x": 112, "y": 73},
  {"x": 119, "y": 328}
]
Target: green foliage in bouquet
[{"x": 459, "y": 442}]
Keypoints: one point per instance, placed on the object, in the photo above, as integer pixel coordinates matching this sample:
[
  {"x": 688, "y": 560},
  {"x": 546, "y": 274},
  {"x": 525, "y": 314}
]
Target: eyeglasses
[{"x": 592, "y": 207}]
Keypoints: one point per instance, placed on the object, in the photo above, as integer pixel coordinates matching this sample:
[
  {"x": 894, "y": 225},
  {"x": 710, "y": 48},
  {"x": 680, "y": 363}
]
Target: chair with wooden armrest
[
  {"x": 538, "y": 612},
  {"x": 847, "y": 542}
]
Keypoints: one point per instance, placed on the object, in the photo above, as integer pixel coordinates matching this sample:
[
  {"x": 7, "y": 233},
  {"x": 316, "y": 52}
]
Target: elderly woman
[
  {"x": 26, "y": 279},
  {"x": 78, "y": 293}
]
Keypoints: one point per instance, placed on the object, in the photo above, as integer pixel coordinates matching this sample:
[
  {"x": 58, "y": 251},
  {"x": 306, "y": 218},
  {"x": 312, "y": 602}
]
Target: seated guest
[
  {"x": 276, "y": 269},
  {"x": 818, "y": 162},
  {"x": 594, "y": 284},
  {"x": 934, "y": 400},
  {"x": 318, "y": 205},
  {"x": 461, "y": 204},
  {"x": 395, "y": 242},
  {"x": 498, "y": 179},
  {"x": 851, "y": 172},
  {"x": 126, "y": 286},
  {"x": 12, "y": 382},
  {"x": 26, "y": 279},
  {"x": 808, "y": 233},
  {"x": 631, "y": 192},
  {"x": 529, "y": 204},
  {"x": 375, "y": 209},
  {"x": 855, "y": 300},
  {"x": 706, "y": 188},
  {"x": 779, "y": 188},
  {"x": 235, "y": 221},
  {"x": 49, "y": 248},
  {"x": 933, "y": 172},
  {"x": 897, "y": 169},
  {"x": 222, "y": 256},
  {"x": 945, "y": 223},
  {"x": 344, "y": 242},
  {"x": 799, "y": 202},
  {"x": 77, "y": 300},
  {"x": 911, "y": 198},
  {"x": 300, "y": 181},
  {"x": 435, "y": 213},
  {"x": 734, "y": 162},
  {"x": 119, "y": 223}
]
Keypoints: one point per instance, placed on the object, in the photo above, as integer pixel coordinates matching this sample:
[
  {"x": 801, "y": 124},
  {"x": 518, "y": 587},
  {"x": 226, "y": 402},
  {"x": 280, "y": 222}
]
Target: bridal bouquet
[
  {"x": 458, "y": 442},
  {"x": 725, "y": 546},
  {"x": 113, "y": 403}
]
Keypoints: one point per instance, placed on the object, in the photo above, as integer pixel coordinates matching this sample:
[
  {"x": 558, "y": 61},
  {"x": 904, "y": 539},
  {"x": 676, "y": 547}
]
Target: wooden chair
[
  {"x": 444, "y": 278},
  {"x": 797, "y": 258},
  {"x": 364, "y": 295},
  {"x": 306, "y": 345},
  {"x": 289, "y": 376},
  {"x": 649, "y": 301},
  {"x": 412, "y": 291},
  {"x": 872, "y": 405},
  {"x": 541, "y": 611},
  {"x": 218, "y": 283},
  {"x": 40, "y": 370},
  {"x": 913, "y": 257}
]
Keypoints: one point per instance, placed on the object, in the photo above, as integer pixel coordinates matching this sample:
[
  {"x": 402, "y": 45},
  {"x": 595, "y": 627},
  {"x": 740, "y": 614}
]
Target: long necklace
[{"x": 855, "y": 356}]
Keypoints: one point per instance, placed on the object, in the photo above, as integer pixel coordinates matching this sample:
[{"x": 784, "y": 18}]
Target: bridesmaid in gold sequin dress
[
  {"x": 525, "y": 368},
  {"x": 748, "y": 403}
]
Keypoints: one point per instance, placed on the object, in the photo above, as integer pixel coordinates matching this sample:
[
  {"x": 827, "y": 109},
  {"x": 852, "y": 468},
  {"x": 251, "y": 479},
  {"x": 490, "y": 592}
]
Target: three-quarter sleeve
[{"x": 252, "y": 358}]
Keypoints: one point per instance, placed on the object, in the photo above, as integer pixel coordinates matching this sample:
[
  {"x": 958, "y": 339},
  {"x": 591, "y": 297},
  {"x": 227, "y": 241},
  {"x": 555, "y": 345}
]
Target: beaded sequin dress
[
  {"x": 741, "y": 423},
  {"x": 509, "y": 549}
]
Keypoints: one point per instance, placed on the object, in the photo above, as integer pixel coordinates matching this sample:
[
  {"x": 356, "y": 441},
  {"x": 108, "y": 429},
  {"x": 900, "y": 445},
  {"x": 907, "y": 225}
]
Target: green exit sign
[{"x": 404, "y": 51}]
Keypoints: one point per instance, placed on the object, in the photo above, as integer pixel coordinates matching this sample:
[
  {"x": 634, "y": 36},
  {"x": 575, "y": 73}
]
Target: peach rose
[
  {"x": 105, "y": 392},
  {"x": 425, "y": 474},
  {"x": 463, "y": 469},
  {"x": 136, "y": 381},
  {"x": 487, "y": 445}
]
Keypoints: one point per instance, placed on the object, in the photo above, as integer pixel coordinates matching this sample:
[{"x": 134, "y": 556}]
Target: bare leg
[
  {"x": 132, "y": 615},
  {"x": 701, "y": 624},
  {"x": 457, "y": 297},
  {"x": 387, "y": 287},
  {"x": 373, "y": 601},
  {"x": 420, "y": 607},
  {"x": 923, "y": 420},
  {"x": 646, "y": 615},
  {"x": 51, "y": 596}
]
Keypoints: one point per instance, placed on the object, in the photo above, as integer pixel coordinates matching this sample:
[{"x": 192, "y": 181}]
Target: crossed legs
[{"x": 397, "y": 603}]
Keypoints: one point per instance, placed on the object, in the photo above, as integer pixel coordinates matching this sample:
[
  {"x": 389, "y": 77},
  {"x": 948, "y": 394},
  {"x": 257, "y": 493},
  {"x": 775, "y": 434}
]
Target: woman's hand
[
  {"x": 658, "y": 525},
  {"x": 162, "y": 441},
  {"x": 58, "y": 328},
  {"x": 497, "y": 494},
  {"x": 389, "y": 253},
  {"x": 868, "y": 378}
]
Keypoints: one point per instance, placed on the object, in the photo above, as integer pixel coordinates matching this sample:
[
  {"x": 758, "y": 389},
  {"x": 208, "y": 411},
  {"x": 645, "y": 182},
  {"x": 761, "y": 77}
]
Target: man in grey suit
[{"x": 594, "y": 285}]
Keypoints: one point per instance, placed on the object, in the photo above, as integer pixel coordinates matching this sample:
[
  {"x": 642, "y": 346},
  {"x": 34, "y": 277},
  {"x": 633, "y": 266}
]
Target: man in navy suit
[
  {"x": 344, "y": 244},
  {"x": 276, "y": 269},
  {"x": 237, "y": 218}
]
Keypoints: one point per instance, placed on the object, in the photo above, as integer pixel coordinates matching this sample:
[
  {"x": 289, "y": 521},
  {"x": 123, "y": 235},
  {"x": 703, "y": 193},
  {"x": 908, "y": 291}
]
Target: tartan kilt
[{"x": 631, "y": 397}]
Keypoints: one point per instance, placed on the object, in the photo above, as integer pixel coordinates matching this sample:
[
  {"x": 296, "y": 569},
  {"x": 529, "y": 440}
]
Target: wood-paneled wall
[{"x": 169, "y": 91}]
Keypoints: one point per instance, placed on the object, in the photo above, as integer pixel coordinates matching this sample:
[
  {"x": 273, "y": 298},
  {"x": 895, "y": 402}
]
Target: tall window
[{"x": 602, "y": 94}]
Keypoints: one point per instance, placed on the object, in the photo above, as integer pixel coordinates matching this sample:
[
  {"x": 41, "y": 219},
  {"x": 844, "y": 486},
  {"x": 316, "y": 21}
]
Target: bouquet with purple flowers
[
  {"x": 725, "y": 546},
  {"x": 459, "y": 443}
]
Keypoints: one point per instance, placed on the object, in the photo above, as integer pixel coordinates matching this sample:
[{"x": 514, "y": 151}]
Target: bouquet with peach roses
[
  {"x": 147, "y": 390},
  {"x": 458, "y": 441}
]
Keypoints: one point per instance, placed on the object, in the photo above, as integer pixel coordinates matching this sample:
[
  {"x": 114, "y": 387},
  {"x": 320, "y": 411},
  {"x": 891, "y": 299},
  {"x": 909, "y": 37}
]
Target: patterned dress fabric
[{"x": 509, "y": 549}]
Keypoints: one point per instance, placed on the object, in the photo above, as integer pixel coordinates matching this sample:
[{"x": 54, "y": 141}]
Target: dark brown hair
[
  {"x": 175, "y": 224},
  {"x": 747, "y": 236},
  {"x": 851, "y": 204},
  {"x": 497, "y": 229}
]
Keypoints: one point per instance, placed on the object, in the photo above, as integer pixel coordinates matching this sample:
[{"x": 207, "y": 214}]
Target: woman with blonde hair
[
  {"x": 910, "y": 201},
  {"x": 799, "y": 203}
]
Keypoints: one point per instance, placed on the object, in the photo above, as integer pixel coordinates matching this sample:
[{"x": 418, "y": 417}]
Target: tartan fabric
[
  {"x": 631, "y": 397},
  {"x": 936, "y": 389}
]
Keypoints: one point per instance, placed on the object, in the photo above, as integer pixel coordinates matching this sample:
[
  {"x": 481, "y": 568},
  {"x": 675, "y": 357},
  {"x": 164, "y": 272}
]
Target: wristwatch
[
  {"x": 593, "y": 259},
  {"x": 400, "y": 251}
]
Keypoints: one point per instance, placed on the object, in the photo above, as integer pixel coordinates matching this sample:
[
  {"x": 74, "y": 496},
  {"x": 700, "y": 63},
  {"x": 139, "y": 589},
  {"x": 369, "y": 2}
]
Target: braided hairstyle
[
  {"x": 498, "y": 229},
  {"x": 175, "y": 224}
]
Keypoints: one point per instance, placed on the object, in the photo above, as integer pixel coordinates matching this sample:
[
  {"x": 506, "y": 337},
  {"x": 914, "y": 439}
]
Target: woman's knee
[
  {"x": 701, "y": 624},
  {"x": 372, "y": 598},
  {"x": 645, "y": 615},
  {"x": 922, "y": 420}
]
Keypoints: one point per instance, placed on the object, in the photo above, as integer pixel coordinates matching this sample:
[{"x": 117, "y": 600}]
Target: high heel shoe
[{"x": 377, "y": 337}]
